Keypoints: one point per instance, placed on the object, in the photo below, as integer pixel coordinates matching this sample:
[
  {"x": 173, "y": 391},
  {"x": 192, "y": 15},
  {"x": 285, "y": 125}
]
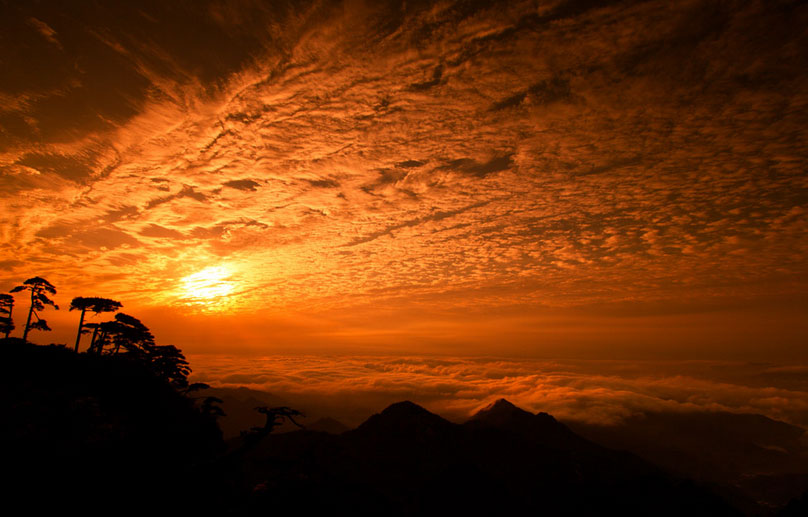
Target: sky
[{"x": 565, "y": 179}]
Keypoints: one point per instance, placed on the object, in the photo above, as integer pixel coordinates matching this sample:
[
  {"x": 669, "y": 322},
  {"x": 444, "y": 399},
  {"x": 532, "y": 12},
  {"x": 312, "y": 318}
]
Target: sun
[{"x": 207, "y": 287}]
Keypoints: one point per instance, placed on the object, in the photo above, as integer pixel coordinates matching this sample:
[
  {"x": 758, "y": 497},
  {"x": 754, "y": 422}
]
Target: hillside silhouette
[
  {"x": 408, "y": 461},
  {"x": 103, "y": 434},
  {"x": 760, "y": 463},
  {"x": 108, "y": 434}
]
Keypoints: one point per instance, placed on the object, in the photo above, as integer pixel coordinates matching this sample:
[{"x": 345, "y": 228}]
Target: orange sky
[{"x": 524, "y": 179}]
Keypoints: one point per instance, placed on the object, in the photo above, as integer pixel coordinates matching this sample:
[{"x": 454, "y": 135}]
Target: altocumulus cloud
[{"x": 620, "y": 161}]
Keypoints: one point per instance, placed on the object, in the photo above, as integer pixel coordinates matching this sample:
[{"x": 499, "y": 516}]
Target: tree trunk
[
  {"x": 81, "y": 324},
  {"x": 92, "y": 341},
  {"x": 101, "y": 340},
  {"x": 28, "y": 323}
]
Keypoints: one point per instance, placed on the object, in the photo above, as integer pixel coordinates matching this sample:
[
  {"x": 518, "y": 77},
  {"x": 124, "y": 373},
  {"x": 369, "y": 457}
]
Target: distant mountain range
[
  {"x": 756, "y": 463},
  {"x": 408, "y": 461},
  {"x": 239, "y": 406},
  {"x": 760, "y": 463}
]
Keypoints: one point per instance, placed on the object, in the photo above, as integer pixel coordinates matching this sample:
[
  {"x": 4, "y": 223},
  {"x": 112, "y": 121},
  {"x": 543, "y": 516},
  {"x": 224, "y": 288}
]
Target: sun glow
[{"x": 209, "y": 288}]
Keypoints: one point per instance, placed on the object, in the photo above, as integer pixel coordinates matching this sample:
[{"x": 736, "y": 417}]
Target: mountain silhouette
[
  {"x": 760, "y": 463},
  {"x": 327, "y": 425},
  {"x": 405, "y": 421},
  {"x": 101, "y": 435},
  {"x": 409, "y": 461},
  {"x": 502, "y": 413},
  {"x": 239, "y": 406},
  {"x": 539, "y": 428}
]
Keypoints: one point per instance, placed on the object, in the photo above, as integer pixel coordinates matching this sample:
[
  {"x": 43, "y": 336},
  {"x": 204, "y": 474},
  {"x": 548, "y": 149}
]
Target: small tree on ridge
[
  {"x": 6, "y": 306},
  {"x": 94, "y": 304},
  {"x": 38, "y": 287}
]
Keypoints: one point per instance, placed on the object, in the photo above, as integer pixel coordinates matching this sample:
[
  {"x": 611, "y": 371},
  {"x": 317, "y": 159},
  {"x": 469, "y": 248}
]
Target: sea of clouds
[{"x": 351, "y": 388}]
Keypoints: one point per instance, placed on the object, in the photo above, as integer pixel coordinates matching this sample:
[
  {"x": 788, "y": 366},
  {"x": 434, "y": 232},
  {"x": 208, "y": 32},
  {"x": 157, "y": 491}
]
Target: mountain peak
[
  {"x": 405, "y": 408},
  {"x": 541, "y": 427},
  {"x": 405, "y": 404},
  {"x": 500, "y": 405},
  {"x": 401, "y": 416},
  {"x": 405, "y": 412},
  {"x": 500, "y": 410}
]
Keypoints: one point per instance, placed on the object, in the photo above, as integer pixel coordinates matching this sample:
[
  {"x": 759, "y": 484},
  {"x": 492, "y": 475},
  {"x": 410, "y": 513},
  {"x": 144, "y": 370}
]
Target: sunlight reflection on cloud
[{"x": 208, "y": 289}]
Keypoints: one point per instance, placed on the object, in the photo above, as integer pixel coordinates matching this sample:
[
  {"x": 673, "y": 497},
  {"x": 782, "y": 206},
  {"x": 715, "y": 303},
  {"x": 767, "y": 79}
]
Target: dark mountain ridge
[
  {"x": 105, "y": 435},
  {"x": 407, "y": 461},
  {"x": 102, "y": 434},
  {"x": 540, "y": 427},
  {"x": 759, "y": 459}
]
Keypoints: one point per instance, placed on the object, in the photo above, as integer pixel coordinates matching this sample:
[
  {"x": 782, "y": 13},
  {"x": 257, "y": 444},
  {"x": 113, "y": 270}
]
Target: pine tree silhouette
[
  {"x": 94, "y": 304},
  {"x": 6, "y": 306},
  {"x": 124, "y": 332},
  {"x": 38, "y": 287}
]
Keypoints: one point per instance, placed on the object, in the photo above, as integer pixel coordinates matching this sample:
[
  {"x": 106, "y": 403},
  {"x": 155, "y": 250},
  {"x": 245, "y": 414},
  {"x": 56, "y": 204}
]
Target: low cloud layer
[{"x": 589, "y": 391}]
